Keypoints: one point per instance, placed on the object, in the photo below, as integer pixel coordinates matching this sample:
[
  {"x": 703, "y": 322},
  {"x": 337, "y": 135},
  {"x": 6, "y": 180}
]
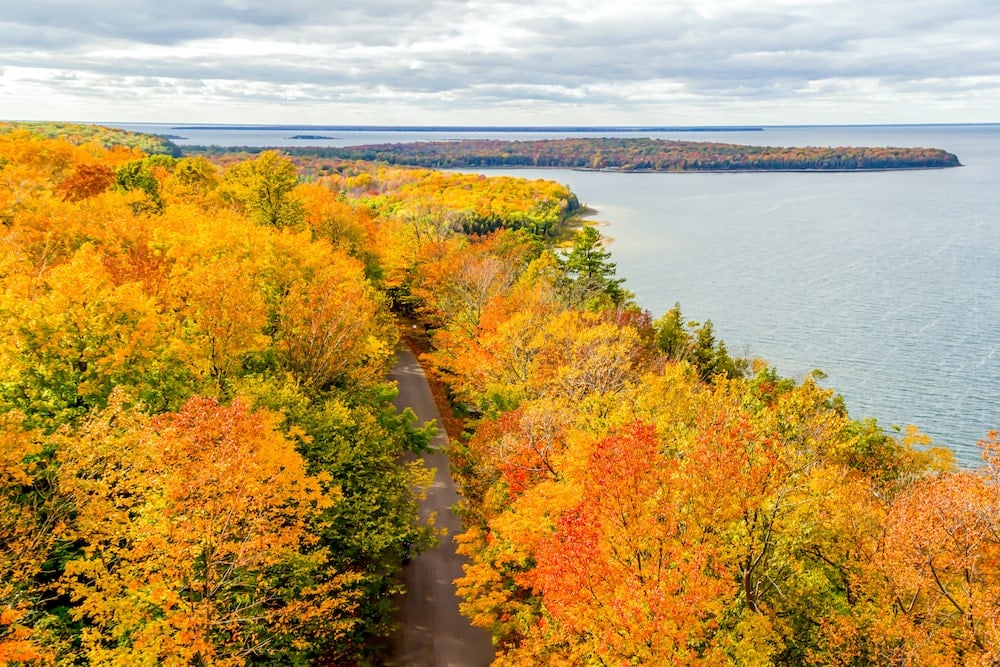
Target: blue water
[
  {"x": 885, "y": 281},
  {"x": 236, "y": 135}
]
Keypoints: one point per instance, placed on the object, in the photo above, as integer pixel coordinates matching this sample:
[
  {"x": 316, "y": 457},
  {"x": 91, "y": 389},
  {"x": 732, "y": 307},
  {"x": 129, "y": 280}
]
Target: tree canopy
[{"x": 200, "y": 460}]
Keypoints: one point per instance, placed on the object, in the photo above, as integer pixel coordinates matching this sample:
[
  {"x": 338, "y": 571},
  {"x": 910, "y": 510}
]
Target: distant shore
[
  {"x": 628, "y": 155},
  {"x": 698, "y": 171},
  {"x": 474, "y": 128}
]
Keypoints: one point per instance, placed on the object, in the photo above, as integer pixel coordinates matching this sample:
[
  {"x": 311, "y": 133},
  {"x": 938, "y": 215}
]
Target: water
[
  {"x": 235, "y": 135},
  {"x": 885, "y": 281}
]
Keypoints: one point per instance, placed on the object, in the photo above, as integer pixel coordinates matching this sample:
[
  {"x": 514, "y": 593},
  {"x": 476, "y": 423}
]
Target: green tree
[
  {"x": 672, "y": 338},
  {"x": 696, "y": 343},
  {"x": 589, "y": 274},
  {"x": 712, "y": 357},
  {"x": 137, "y": 176}
]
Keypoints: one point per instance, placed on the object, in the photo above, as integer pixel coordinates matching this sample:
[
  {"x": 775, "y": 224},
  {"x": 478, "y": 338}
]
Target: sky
[{"x": 502, "y": 62}]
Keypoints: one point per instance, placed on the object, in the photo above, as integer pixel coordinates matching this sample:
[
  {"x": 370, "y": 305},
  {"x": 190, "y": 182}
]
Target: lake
[{"x": 886, "y": 281}]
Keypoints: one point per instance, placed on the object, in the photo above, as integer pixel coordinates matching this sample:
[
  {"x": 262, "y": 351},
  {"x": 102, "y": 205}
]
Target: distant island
[
  {"x": 311, "y": 137},
  {"x": 492, "y": 129},
  {"x": 637, "y": 155}
]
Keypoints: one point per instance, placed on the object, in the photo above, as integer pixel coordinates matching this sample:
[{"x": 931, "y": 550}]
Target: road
[{"x": 431, "y": 632}]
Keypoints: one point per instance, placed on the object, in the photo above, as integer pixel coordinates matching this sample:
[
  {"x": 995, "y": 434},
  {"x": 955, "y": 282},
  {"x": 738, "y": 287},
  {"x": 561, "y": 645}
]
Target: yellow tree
[
  {"x": 261, "y": 189},
  {"x": 583, "y": 357},
  {"x": 328, "y": 323},
  {"x": 335, "y": 219},
  {"x": 193, "y": 181},
  {"x": 334, "y": 329},
  {"x": 33, "y": 520},
  {"x": 69, "y": 341},
  {"x": 195, "y": 547},
  {"x": 223, "y": 312}
]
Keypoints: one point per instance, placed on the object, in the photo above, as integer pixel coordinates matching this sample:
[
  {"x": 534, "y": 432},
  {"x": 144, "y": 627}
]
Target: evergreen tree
[
  {"x": 589, "y": 274},
  {"x": 695, "y": 343}
]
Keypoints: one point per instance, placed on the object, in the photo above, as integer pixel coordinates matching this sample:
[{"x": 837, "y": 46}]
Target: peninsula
[{"x": 637, "y": 155}]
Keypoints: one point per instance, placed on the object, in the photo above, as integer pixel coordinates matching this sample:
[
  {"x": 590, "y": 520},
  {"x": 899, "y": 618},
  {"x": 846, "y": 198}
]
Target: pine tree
[{"x": 589, "y": 273}]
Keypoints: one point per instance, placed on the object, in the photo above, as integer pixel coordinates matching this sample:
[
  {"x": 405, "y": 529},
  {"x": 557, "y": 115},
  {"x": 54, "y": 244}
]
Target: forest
[
  {"x": 201, "y": 464},
  {"x": 107, "y": 137},
  {"x": 637, "y": 154}
]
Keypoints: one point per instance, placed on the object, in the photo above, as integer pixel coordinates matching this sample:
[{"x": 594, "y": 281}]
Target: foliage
[
  {"x": 696, "y": 343},
  {"x": 261, "y": 189},
  {"x": 439, "y": 203},
  {"x": 137, "y": 176},
  {"x": 634, "y": 495},
  {"x": 373, "y": 528},
  {"x": 195, "y": 548},
  {"x": 588, "y": 273},
  {"x": 33, "y": 522},
  {"x": 105, "y": 137},
  {"x": 200, "y": 462},
  {"x": 199, "y": 456}
]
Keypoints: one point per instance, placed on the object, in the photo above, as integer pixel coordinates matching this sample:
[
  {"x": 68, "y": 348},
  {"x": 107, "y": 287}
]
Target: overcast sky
[{"x": 502, "y": 62}]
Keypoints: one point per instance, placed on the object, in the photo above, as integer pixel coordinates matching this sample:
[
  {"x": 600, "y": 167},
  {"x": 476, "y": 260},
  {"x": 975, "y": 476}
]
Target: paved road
[{"x": 432, "y": 633}]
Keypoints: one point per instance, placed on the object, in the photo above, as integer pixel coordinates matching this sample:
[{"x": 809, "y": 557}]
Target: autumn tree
[
  {"x": 942, "y": 559},
  {"x": 458, "y": 278},
  {"x": 78, "y": 337},
  {"x": 625, "y": 578},
  {"x": 87, "y": 180},
  {"x": 261, "y": 189},
  {"x": 34, "y": 521},
  {"x": 144, "y": 526},
  {"x": 195, "y": 549},
  {"x": 193, "y": 180},
  {"x": 357, "y": 438},
  {"x": 350, "y": 227}
]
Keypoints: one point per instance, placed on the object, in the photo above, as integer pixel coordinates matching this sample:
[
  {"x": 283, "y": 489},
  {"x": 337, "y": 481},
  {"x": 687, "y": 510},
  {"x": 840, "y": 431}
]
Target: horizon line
[{"x": 353, "y": 127}]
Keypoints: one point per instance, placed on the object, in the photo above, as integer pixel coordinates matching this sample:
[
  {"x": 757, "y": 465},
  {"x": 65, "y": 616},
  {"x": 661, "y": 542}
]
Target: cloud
[{"x": 512, "y": 61}]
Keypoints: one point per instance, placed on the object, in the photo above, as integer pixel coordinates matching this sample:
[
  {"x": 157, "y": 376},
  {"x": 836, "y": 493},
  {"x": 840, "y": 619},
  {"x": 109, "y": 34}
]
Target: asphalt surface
[{"x": 431, "y": 631}]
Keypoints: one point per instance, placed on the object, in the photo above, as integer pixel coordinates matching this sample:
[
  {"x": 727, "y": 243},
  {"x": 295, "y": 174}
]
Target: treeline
[
  {"x": 472, "y": 204},
  {"x": 106, "y": 137},
  {"x": 633, "y": 494},
  {"x": 637, "y": 154}
]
